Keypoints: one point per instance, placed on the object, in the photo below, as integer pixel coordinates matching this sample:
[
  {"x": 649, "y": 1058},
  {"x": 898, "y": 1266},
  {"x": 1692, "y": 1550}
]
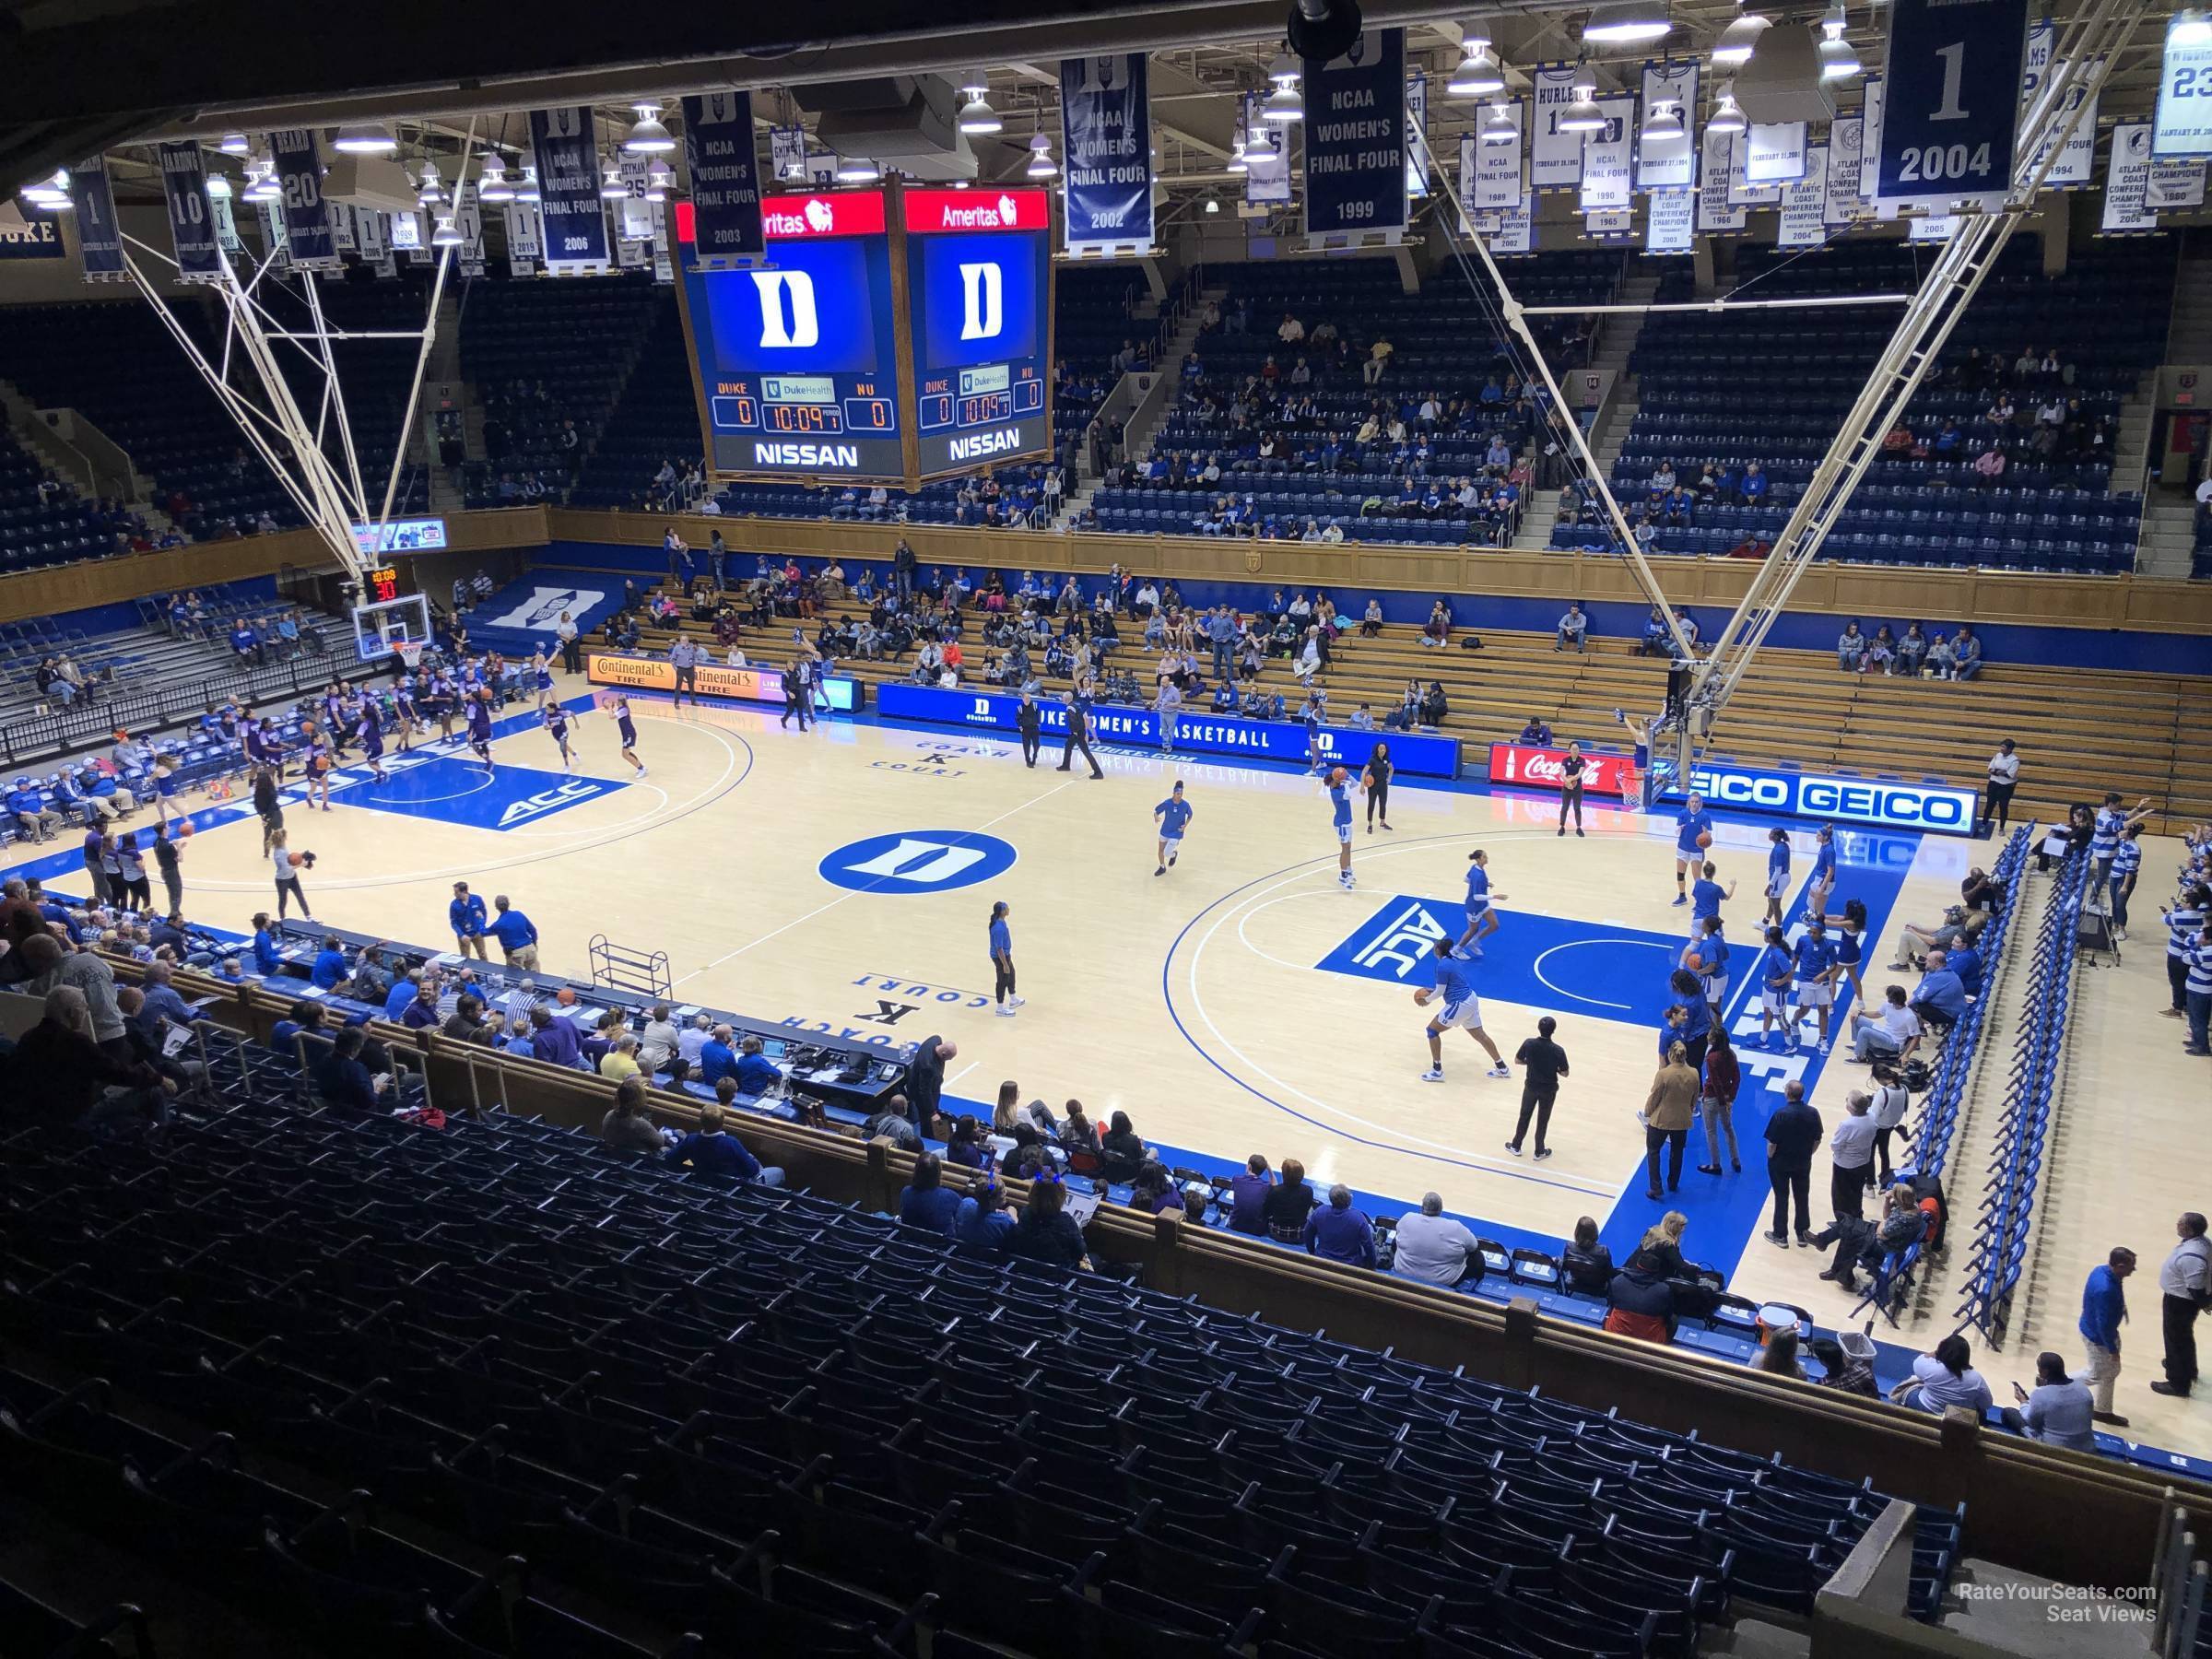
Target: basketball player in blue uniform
[
  {"x": 479, "y": 729},
  {"x": 1455, "y": 989},
  {"x": 165, "y": 788},
  {"x": 1340, "y": 811},
  {"x": 1706, "y": 956},
  {"x": 1706, "y": 894},
  {"x": 1175, "y": 817},
  {"x": 625, "y": 729},
  {"x": 1481, "y": 918},
  {"x": 1776, "y": 967},
  {"x": 1777, "y": 874},
  {"x": 1817, "y": 970},
  {"x": 1824, "y": 871},
  {"x": 557, "y": 723},
  {"x": 370, "y": 733},
  {"x": 1691, "y": 823}
]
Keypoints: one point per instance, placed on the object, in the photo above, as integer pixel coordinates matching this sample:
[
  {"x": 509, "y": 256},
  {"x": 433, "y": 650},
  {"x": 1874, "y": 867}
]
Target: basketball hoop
[
  {"x": 1632, "y": 788},
  {"x": 409, "y": 653}
]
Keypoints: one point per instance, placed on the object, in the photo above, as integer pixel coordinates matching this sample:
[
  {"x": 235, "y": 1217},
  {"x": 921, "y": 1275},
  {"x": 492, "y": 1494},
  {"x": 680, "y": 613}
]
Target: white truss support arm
[
  {"x": 2090, "y": 42},
  {"x": 429, "y": 338}
]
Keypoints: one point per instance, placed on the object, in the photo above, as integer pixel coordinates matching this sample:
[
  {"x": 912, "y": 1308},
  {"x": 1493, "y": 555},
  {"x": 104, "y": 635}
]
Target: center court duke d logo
[{"x": 918, "y": 861}]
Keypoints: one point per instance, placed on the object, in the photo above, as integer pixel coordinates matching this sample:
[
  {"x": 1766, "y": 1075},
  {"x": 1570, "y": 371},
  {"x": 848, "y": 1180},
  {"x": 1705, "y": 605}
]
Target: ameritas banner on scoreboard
[
  {"x": 1106, "y": 125},
  {"x": 1356, "y": 137}
]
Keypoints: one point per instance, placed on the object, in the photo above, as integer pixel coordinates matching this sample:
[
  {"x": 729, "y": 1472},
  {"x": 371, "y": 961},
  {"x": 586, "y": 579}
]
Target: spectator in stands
[
  {"x": 1434, "y": 1248},
  {"x": 1250, "y": 1190},
  {"x": 712, "y": 1151},
  {"x": 1850, "y": 1155},
  {"x": 1586, "y": 1263},
  {"x": 627, "y": 1127},
  {"x": 1152, "y": 1192},
  {"x": 1286, "y": 1205},
  {"x": 1121, "y": 1149},
  {"x": 29, "y": 807},
  {"x": 1967, "y": 649},
  {"x": 1077, "y": 1132},
  {"x": 1778, "y": 1356},
  {"x": 2060, "y": 1411},
  {"x": 1537, "y": 732},
  {"x": 345, "y": 1082},
  {"x": 1841, "y": 1372},
  {"x": 891, "y": 1123},
  {"x": 926, "y": 1202},
  {"x": 554, "y": 1040},
  {"x": 1641, "y": 1302},
  {"x": 1046, "y": 1232},
  {"x": 1851, "y": 648},
  {"x": 2185, "y": 1292},
  {"x": 983, "y": 1227},
  {"x": 1573, "y": 631},
  {"x": 1340, "y": 1234},
  {"x": 1940, "y": 997},
  {"x": 1890, "y": 1032},
  {"x": 1434, "y": 707},
  {"x": 1791, "y": 1133},
  {"x": 1944, "y": 1377}
]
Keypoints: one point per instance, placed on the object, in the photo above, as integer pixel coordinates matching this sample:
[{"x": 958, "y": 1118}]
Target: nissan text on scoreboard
[
  {"x": 980, "y": 288},
  {"x": 797, "y": 361}
]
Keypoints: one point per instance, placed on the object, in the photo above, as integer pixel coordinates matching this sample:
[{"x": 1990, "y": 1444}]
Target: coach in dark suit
[
  {"x": 1079, "y": 733},
  {"x": 925, "y": 1082},
  {"x": 1030, "y": 722},
  {"x": 1792, "y": 1134}
]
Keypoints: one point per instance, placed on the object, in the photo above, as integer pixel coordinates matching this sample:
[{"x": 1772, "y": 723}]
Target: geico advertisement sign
[
  {"x": 1930, "y": 807},
  {"x": 1522, "y": 763}
]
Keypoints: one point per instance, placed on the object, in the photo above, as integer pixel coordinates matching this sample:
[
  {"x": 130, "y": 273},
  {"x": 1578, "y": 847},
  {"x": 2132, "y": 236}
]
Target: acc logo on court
[
  {"x": 918, "y": 861},
  {"x": 1393, "y": 945},
  {"x": 560, "y": 796}
]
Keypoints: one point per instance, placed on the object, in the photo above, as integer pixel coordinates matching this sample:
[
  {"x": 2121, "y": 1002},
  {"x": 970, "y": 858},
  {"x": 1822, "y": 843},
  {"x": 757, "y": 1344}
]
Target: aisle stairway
[
  {"x": 1138, "y": 441},
  {"x": 1616, "y": 340},
  {"x": 2169, "y": 514}
]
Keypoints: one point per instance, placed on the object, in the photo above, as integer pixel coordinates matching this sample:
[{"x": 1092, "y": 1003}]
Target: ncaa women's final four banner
[
  {"x": 1356, "y": 137},
  {"x": 1106, "y": 124}
]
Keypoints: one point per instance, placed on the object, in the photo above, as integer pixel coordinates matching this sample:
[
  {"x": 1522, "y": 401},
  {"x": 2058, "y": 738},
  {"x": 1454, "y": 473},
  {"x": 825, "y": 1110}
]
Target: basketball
[
  {"x": 1338, "y": 774},
  {"x": 1705, "y": 838},
  {"x": 1420, "y": 998},
  {"x": 295, "y": 859},
  {"x": 184, "y": 829}
]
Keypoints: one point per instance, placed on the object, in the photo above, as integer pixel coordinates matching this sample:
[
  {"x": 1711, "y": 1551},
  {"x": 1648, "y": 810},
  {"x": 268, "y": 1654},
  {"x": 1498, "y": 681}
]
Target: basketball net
[{"x": 410, "y": 654}]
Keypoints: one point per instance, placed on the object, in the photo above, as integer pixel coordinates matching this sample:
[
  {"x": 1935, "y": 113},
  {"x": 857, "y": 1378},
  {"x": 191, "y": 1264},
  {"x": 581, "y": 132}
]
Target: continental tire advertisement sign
[{"x": 715, "y": 679}]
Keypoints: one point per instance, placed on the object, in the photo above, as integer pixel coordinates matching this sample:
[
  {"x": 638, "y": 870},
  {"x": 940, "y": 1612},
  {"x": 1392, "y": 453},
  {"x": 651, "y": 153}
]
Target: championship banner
[
  {"x": 1106, "y": 127},
  {"x": 1804, "y": 218},
  {"x": 1670, "y": 163},
  {"x": 526, "y": 239},
  {"x": 191, "y": 225},
  {"x": 1515, "y": 228},
  {"x": 1267, "y": 159},
  {"x": 274, "y": 236},
  {"x": 1842, "y": 204},
  {"x": 1609, "y": 225},
  {"x": 1951, "y": 101},
  {"x": 1775, "y": 152},
  {"x": 568, "y": 184},
  {"x": 26, "y": 236},
  {"x": 1497, "y": 169},
  {"x": 1607, "y": 179},
  {"x": 371, "y": 235},
  {"x": 1534, "y": 768},
  {"x": 1669, "y": 217},
  {"x": 1742, "y": 192},
  {"x": 723, "y": 167},
  {"x": 227, "y": 238},
  {"x": 1870, "y": 141},
  {"x": 1715, "y": 216},
  {"x": 2077, "y": 140},
  {"x": 1932, "y": 228},
  {"x": 98, "y": 233},
  {"x": 306, "y": 216},
  {"x": 2172, "y": 184},
  {"x": 1555, "y": 157},
  {"x": 1356, "y": 137},
  {"x": 2127, "y": 210},
  {"x": 631, "y": 253},
  {"x": 469, "y": 223},
  {"x": 1416, "y": 135},
  {"x": 746, "y": 685},
  {"x": 2181, "y": 126}
]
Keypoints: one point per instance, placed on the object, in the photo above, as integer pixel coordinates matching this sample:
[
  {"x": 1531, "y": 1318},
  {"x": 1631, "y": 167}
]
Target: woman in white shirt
[
  {"x": 1947, "y": 1378},
  {"x": 1892, "y": 1100}
]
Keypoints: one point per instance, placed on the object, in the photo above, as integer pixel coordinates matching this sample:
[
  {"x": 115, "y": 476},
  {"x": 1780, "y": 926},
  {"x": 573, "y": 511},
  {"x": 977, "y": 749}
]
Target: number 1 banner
[
  {"x": 306, "y": 216},
  {"x": 1951, "y": 101},
  {"x": 98, "y": 234}
]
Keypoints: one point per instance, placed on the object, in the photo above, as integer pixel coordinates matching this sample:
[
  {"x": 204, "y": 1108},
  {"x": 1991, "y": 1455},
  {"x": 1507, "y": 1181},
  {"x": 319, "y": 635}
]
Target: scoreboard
[
  {"x": 797, "y": 360},
  {"x": 888, "y": 335},
  {"x": 980, "y": 271}
]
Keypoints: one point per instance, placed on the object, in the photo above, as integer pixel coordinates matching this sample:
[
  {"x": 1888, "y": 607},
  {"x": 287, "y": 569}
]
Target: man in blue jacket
[
  {"x": 465, "y": 916},
  {"x": 2103, "y": 1311},
  {"x": 711, "y": 1152},
  {"x": 38, "y": 820},
  {"x": 1339, "y": 1232},
  {"x": 516, "y": 933}
]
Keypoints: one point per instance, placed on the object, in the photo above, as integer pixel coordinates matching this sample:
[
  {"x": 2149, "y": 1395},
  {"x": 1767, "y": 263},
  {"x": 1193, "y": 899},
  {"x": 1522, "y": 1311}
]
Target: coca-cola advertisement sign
[{"x": 1533, "y": 768}]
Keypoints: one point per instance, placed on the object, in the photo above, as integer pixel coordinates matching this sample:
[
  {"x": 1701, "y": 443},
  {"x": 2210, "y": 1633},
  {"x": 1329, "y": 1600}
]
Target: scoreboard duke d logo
[
  {"x": 804, "y": 327},
  {"x": 983, "y": 301}
]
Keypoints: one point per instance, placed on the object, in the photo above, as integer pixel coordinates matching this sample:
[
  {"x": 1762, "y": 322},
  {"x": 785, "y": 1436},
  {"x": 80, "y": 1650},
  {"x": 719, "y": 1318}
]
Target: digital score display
[
  {"x": 797, "y": 360},
  {"x": 384, "y": 584},
  {"x": 979, "y": 299}
]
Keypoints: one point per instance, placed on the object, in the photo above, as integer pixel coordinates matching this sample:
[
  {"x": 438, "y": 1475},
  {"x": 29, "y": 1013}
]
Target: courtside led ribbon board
[
  {"x": 725, "y": 169},
  {"x": 1195, "y": 733},
  {"x": 1951, "y": 101},
  {"x": 1555, "y": 157},
  {"x": 716, "y": 679},
  {"x": 568, "y": 185},
  {"x": 306, "y": 216},
  {"x": 191, "y": 225},
  {"x": 98, "y": 232},
  {"x": 1670, "y": 163},
  {"x": 2182, "y": 125},
  {"x": 1356, "y": 137},
  {"x": 1106, "y": 127},
  {"x": 1534, "y": 768}
]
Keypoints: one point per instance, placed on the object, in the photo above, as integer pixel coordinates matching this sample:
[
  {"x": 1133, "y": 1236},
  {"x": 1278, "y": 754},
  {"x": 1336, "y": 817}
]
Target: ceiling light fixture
[
  {"x": 447, "y": 234},
  {"x": 1838, "y": 61},
  {"x": 857, "y": 169},
  {"x": 430, "y": 193},
  {"x": 235, "y": 144},
  {"x": 658, "y": 178},
  {"x": 647, "y": 137},
  {"x": 2190, "y": 28},
  {"x": 1737, "y": 40},
  {"x": 51, "y": 193},
  {"x": 218, "y": 185},
  {"x": 1212, "y": 205},
  {"x": 491, "y": 184},
  {"x": 1663, "y": 123},
  {"x": 527, "y": 190},
  {"x": 1478, "y": 75},
  {"x": 1626, "y": 22},
  {"x": 1583, "y": 115},
  {"x": 1499, "y": 125},
  {"x": 978, "y": 118},
  {"x": 365, "y": 140},
  {"x": 610, "y": 179},
  {"x": 1726, "y": 118},
  {"x": 1283, "y": 105},
  {"x": 1041, "y": 165}
]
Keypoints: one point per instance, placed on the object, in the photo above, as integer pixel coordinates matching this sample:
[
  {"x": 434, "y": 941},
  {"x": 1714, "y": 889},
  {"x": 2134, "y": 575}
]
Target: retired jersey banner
[
  {"x": 1951, "y": 101},
  {"x": 1804, "y": 218},
  {"x": 98, "y": 232},
  {"x": 2182, "y": 123},
  {"x": 1555, "y": 157},
  {"x": 1356, "y": 137},
  {"x": 1668, "y": 163},
  {"x": 1742, "y": 192},
  {"x": 1842, "y": 204},
  {"x": 1495, "y": 182},
  {"x": 1608, "y": 168},
  {"x": 1775, "y": 152},
  {"x": 1669, "y": 220},
  {"x": 724, "y": 167},
  {"x": 568, "y": 185},
  {"x": 526, "y": 239},
  {"x": 1266, "y": 158},
  {"x": 1106, "y": 125},
  {"x": 298, "y": 157},
  {"x": 469, "y": 224},
  {"x": 1870, "y": 141},
  {"x": 1416, "y": 135},
  {"x": 1716, "y": 217},
  {"x": 191, "y": 222}
]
